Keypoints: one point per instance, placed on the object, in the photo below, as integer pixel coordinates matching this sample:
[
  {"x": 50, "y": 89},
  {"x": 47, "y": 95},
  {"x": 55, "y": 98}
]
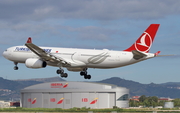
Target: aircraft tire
[
  {"x": 82, "y": 73},
  {"x": 60, "y": 71},
  {"x": 16, "y": 68},
  {"x": 65, "y": 75},
  {"x": 85, "y": 77},
  {"x": 89, "y": 76}
]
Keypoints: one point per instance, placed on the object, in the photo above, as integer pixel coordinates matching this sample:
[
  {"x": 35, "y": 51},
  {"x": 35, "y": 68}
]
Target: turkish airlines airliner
[{"x": 81, "y": 59}]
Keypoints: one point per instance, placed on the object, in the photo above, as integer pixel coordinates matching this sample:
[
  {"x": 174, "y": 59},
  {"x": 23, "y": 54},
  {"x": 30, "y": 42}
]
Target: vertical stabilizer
[{"x": 144, "y": 42}]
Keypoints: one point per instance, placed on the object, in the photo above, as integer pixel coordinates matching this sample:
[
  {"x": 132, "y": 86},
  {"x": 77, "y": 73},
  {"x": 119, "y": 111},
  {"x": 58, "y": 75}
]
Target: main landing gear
[
  {"x": 61, "y": 72},
  {"x": 84, "y": 73},
  {"x": 65, "y": 75},
  {"x": 16, "y": 67}
]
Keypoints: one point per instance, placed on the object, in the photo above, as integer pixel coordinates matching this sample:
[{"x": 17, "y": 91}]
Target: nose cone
[{"x": 5, "y": 54}]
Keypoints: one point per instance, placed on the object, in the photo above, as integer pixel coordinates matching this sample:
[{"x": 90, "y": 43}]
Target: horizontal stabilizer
[
  {"x": 157, "y": 53},
  {"x": 164, "y": 55},
  {"x": 138, "y": 55}
]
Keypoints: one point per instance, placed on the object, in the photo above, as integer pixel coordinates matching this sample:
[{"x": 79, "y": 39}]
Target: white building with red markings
[{"x": 74, "y": 94}]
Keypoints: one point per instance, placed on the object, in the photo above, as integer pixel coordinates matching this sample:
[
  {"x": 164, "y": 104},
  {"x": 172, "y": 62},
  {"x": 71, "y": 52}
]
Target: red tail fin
[{"x": 144, "y": 42}]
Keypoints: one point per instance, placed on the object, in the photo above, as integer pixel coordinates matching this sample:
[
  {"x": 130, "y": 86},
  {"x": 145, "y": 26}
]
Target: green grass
[{"x": 84, "y": 109}]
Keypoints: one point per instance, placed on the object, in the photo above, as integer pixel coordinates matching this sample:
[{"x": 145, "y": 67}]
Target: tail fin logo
[{"x": 144, "y": 43}]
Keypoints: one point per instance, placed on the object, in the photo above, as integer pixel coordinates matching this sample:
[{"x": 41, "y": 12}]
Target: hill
[
  {"x": 51, "y": 79},
  {"x": 38, "y": 80},
  {"x": 11, "y": 88},
  {"x": 160, "y": 90}
]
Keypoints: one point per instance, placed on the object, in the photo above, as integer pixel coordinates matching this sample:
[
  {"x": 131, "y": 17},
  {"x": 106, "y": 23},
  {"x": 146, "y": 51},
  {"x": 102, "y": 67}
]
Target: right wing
[{"x": 46, "y": 56}]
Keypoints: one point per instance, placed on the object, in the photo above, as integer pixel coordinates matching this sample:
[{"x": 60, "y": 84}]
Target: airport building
[{"x": 74, "y": 94}]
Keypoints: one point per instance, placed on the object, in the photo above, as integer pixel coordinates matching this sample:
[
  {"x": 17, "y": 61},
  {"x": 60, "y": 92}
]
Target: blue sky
[{"x": 93, "y": 24}]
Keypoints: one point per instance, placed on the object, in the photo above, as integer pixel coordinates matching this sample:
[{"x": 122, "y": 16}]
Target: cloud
[
  {"x": 93, "y": 33},
  {"x": 22, "y": 30},
  {"x": 20, "y": 10},
  {"x": 20, "y": 19}
]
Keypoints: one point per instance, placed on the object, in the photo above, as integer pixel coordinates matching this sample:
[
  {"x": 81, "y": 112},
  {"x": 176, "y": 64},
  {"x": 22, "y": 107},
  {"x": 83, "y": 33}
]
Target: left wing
[{"x": 46, "y": 56}]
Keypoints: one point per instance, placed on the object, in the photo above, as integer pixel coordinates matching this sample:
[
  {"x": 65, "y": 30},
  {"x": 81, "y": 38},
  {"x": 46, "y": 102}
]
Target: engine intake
[{"x": 35, "y": 63}]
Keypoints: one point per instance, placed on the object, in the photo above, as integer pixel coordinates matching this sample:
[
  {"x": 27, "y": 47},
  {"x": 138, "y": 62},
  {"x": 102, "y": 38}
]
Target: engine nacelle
[
  {"x": 75, "y": 69},
  {"x": 35, "y": 63}
]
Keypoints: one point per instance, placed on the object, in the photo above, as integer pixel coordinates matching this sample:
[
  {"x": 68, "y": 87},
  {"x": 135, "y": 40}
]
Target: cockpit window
[{"x": 6, "y": 50}]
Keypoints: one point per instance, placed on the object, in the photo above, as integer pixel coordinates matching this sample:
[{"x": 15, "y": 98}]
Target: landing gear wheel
[
  {"x": 85, "y": 77},
  {"x": 16, "y": 68},
  {"x": 65, "y": 75},
  {"x": 82, "y": 73},
  {"x": 89, "y": 76},
  {"x": 60, "y": 71}
]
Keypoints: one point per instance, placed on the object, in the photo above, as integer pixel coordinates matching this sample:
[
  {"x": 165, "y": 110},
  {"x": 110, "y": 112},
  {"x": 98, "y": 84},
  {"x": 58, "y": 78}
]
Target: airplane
[{"x": 79, "y": 60}]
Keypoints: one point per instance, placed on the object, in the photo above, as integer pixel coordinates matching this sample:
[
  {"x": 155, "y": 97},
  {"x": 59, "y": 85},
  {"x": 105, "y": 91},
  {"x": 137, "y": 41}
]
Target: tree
[
  {"x": 176, "y": 102},
  {"x": 146, "y": 103},
  {"x": 142, "y": 98},
  {"x": 154, "y": 98}
]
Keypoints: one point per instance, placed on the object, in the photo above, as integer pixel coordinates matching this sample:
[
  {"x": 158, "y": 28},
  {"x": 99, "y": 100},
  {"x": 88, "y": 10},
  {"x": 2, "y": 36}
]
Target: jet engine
[{"x": 35, "y": 63}]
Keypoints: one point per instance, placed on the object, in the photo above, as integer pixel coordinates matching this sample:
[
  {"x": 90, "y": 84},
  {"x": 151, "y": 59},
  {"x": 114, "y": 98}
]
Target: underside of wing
[{"x": 46, "y": 56}]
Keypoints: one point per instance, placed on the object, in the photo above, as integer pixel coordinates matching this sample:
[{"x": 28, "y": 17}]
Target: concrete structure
[
  {"x": 4, "y": 104},
  {"x": 169, "y": 105},
  {"x": 74, "y": 94}
]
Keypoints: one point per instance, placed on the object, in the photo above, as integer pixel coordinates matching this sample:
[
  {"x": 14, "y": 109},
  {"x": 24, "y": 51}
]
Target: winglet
[
  {"x": 155, "y": 54},
  {"x": 29, "y": 40}
]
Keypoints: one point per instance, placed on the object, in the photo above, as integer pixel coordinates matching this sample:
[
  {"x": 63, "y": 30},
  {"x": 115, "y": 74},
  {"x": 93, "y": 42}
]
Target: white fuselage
[{"x": 79, "y": 58}]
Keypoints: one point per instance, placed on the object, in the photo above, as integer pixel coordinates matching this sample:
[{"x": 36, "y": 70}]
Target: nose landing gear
[{"x": 16, "y": 67}]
